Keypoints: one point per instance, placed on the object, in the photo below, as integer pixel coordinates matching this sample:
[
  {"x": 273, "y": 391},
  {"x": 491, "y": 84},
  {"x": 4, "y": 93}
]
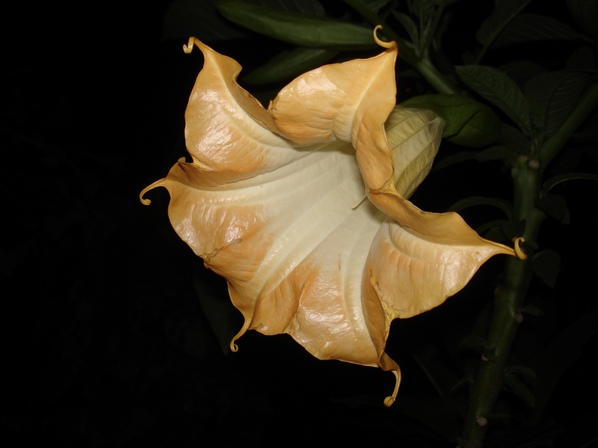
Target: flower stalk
[{"x": 506, "y": 315}]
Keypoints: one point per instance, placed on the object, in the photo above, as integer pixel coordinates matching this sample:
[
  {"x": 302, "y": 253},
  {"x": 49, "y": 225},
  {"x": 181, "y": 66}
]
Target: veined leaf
[
  {"x": 552, "y": 96},
  {"x": 504, "y": 12},
  {"x": 534, "y": 27},
  {"x": 298, "y": 29},
  {"x": 500, "y": 90}
]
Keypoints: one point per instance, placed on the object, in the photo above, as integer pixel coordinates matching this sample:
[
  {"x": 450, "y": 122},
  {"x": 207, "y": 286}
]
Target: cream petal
[{"x": 273, "y": 202}]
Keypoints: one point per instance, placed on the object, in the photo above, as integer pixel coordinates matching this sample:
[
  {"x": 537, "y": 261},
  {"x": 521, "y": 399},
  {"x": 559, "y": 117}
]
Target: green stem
[
  {"x": 436, "y": 79},
  {"x": 506, "y": 315},
  {"x": 509, "y": 296}
]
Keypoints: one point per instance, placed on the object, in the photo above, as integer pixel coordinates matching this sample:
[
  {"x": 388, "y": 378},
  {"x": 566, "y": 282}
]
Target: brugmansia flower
[{"x": 302, "y": 207}]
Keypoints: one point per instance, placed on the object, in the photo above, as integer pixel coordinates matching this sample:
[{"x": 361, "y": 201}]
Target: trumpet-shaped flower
[{"x": 303, "y": 209}]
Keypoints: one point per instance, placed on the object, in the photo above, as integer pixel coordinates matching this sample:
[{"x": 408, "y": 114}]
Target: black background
[{"x": 106, "y": 343}]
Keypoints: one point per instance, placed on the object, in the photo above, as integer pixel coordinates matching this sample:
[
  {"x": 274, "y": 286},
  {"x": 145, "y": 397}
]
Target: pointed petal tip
[
  {"x": 158, "y": 183},
  {"x": 389, "y": 401}
]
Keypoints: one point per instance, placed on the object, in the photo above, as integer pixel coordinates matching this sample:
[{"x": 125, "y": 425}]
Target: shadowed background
[{"x": 106, "y": 342}]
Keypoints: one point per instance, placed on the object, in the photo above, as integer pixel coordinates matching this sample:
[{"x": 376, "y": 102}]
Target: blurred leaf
[
  {"x": 495, "y": 231},
  {"x": 474, "y": 342},
  {"x": 585, "y": 13},
  {"x": 555, "y": 358},
  {"x": 222, "y": 316},
  {"x": 443, "y": 414},
  {"x": 532, "y": 310},
  {"x": 504, "y": 12},
  {"x": 486, "y": 155},
  {"x": 377, "y": 5},
  {"x": 500, "y": 90},
  {"x": 410, "y": 26},
  {"x": 532, "y": 28},
  {"x": 473, "y": 201},
  {"x": 296, "y": 28},
  {"x": 289, "y": 64},
  {"x": 436, "y": 368},
  {"x": 549, "y": 184},
  {"x": 467, "y": 121},
  {"x": 199, "y": 18},
  {"x": 512, "y": 138},
  {"x": 582, "y": 58},
  {"x": 552, "y": 97},
  {"x": 187, "y": 333},
  {"x": 306, "y": 7},
  {"x": 523, "y": 371},
  {"x": 521, "y": 71},
  {"x": 547, "y": 265},
  {"x": 555, "y": 206},
  {"x": 520, "y": 389}
]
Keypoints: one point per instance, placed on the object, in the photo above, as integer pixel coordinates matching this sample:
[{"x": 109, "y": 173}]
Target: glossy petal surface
[{"x": 274, "y": 200}]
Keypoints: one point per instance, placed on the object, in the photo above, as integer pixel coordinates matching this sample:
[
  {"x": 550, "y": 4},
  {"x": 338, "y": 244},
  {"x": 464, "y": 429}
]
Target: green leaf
[
  {"x": 532, "y": 310},
  {"x": 585, "y": 13},
  {"x": 552, "y": 97},
  {"x": 407, "y": 22},
  {"x": 555, "y": 206},
  {"x": 521, "y": 71},
  {"x": 486, "y": 155},
  {"x": 533, "y": 28},
  {"x": 474, "y": 201},
  {"x": 546, "y": 264},
  {"x": 513, "y": 138},
  {"x": 305, "y": 7},
  {"x": 296, "y": 28},
  {"x": 289, "y": 64},
  {"x": 552, "y": 182},
  {"x": 520, "y": 389},
  {"x": 523, "y": 371},
  {"x": 496, "y": 230},
  {"x": 504, "y": 12},
  {"x": 199, "y": 18},
  {"x": 555, "y": 358},
  {"x": 467, "y": 121},
  {"x": 500, "y": 90}
]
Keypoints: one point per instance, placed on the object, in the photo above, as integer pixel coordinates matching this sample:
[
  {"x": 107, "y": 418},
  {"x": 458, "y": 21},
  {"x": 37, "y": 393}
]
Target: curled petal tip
[
  {"x": 382, "y": 43},
  {"x": 144, "y": 201},
  {"x": 188, "y": 47},
  {"x": 518, "y": 251},
  {"x": 389, "y": 401}
]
